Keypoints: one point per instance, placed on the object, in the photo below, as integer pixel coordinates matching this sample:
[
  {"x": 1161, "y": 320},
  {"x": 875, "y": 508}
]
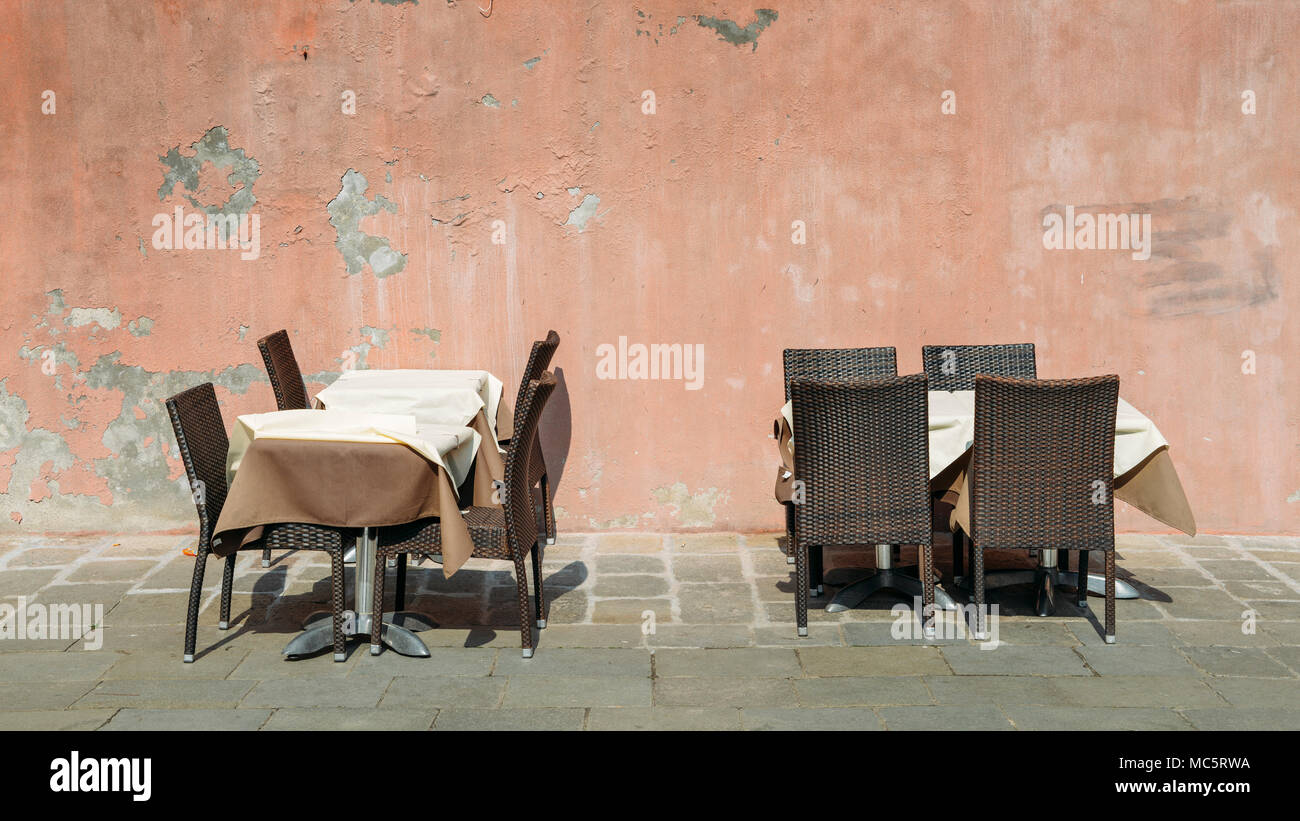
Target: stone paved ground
[{"x": 722, "y": 655}]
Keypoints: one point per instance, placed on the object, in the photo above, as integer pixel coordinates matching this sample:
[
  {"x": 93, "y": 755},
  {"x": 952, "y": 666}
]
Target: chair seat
[
  {"x": 487, "y": 531},
  {"x": 298, "y": 536}
]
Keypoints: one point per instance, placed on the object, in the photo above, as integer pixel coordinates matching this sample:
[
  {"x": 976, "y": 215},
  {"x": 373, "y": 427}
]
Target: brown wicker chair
[
  {"x": 507, "y": 532},
  {"x": 954, "y": 368},
  {"x": 539, "y": 359},
  {"x": 1042, "y": 477},
  {"x": 286, "y": 381},
  {"x": 829, "y": 363},
  {"x": 201, "y": 438},
  {"x": 863, "y": 455}
]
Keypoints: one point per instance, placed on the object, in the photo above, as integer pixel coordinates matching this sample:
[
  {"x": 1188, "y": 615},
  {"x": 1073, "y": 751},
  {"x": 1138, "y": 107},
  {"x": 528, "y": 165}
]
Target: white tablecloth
[
  {"x": 438, "y": 397},
  {"x": 952, "y": 430}
]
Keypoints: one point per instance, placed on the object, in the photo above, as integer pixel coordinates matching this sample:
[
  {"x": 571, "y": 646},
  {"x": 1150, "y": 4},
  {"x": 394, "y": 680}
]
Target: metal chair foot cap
[
  {"x": 188, "y": 658},
  {"x": 223, "y": 625},
  {"x": 528, "y": 652},
  {"x": 550, "y": 540},
  {"x": 803, "y": 631},
  {"x": 789, "y": 559},
  {"x": 376, "y": 649},
  {"x": 1110, "y": 639},
  {"x": 266, "y": 562},
  {"x": 541, "y": 624},
  {"x": 340, "y": 656}
]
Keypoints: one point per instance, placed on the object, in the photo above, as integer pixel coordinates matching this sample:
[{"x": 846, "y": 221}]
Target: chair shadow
[
  {"x": 1012, "y": 600},
  {"x": 555, "y": 431}
]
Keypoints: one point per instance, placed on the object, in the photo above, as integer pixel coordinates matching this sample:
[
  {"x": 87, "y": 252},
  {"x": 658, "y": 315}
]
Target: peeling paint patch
[
  {"x": 378, "y": 336},
  {"x": 693, "y": 510},
  {"x": 586, "y": 209},
  {"x": 730, "y": 32},
  {"x": 357, "y": 247},
  {"x": 213, "y": 147},
  {"x": 1293, "y": 498},
  {"x": 490, "y": 101},
  {"x": 140, "y": 327},
  {"x": 106, "y": 318},
  {"x": 528, "y": 64}
]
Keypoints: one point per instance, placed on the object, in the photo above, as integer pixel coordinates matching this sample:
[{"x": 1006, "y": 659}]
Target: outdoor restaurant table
[
  {"x": 1144, "y": 473},
  {"x": 348, "y": 470},
  {"x": 434, "y": 397}
]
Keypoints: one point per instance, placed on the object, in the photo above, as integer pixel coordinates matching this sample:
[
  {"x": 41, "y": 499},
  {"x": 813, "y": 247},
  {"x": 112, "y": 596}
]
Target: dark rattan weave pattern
[
  {"x": 201, "y": 438},
  {"x": 837, "y": 363},
  {"x": 282, "y": 368},
  {"x": 862, "y": 458},
  {"x": 967, "y": 361},
  {"x": 1042, "y": 471},
  {"x": 508, "y": 532}
]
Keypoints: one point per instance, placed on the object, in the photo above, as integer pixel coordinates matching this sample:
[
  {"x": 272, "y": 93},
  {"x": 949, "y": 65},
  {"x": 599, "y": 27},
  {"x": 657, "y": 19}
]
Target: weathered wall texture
[{"x": 375, "y": 228}]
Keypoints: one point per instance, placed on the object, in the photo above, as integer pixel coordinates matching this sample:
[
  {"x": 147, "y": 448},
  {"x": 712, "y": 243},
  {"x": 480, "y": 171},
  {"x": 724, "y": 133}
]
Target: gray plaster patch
[
  {"x": 358, "y": 248},
  {"x": 584, "y": 212},
  {"x": 490, "y": 101},
  {"x": 729, "y": 32},
  {"x": 693, "y": 510},
  {"x": 140, "y": 327},
  {"x": 106, "y": 318},
  {"x": 213, "y": 147}
]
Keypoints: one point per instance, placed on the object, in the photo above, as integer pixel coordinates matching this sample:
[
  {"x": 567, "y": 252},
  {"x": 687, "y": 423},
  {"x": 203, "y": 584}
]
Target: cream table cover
[{"x": 1145, "y": 475}]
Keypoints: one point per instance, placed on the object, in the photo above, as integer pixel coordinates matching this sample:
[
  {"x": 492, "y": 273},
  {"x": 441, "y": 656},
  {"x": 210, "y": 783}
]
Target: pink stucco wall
[{"x": 672, "y": 227}]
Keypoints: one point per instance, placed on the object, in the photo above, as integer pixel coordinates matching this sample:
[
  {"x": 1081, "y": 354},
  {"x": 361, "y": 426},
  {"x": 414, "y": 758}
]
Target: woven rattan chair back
[
  {"x": 201, "y": 438},
  {"x": 282, "y": 368},
  {"x": 862, "y": 453},
  {"x": 539, "y": 359},
  {"x": 1042, "y": 463},
  {"x": 837, "y": 364},
  {"x": 521, "y": 521},
  {"x": 954, "y": 367}
]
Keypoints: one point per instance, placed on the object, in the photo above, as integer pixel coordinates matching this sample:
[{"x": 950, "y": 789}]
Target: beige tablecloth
[
  {"x": 346, "y": 469},
  {"x": 1144, "y": 474}
]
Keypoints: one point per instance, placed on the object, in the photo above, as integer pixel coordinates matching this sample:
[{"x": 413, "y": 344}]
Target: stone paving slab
[{"x": 1213, "y": 644}]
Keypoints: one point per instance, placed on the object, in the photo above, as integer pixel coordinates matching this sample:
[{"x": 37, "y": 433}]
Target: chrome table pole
[{"x": 886, "y": 577}]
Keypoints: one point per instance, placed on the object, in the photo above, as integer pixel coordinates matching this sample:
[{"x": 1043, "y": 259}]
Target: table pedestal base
[
  {"x": 321, "y": 635},
  {"x": 398, "y": 628},
  {"x": 886, "y": 577},
  {"x": 1046, "y": 578}
]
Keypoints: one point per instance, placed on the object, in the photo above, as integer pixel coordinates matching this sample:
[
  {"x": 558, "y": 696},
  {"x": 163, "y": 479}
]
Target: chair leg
[
  {"x": 266, "y": 557},
  {"x": 539, "y": 598},
  {"x": 377, "y": 608},
  {"x": 192, "y": 615},
  {"x": 977, "y": 560},
  {"x": 336, "y": 602},
  {"x": 227, "y": 586},
  {"x": 399, "y": 593},
  {"x": 1081, "y": 593},
  {"x": 1110, "y": 596},
  {"x": 801, "y": 588},
  {"x": 815, "y": 569},
  {"x": 927, "y": 585},
  {"x": 958, "y": 549},
  {"x": 789, "y": 533},
  {"x": 525, "y": 612},
  {"x": 548, "y": 510}
]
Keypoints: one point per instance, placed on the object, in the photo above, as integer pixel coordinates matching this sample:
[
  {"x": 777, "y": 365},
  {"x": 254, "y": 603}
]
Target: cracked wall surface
[{"x": 437, "y": 188}]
